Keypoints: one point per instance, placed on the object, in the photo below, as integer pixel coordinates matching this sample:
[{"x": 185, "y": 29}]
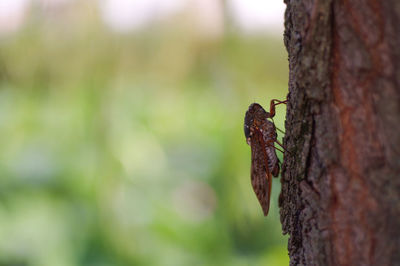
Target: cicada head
[{"x": 253, "y": 118}]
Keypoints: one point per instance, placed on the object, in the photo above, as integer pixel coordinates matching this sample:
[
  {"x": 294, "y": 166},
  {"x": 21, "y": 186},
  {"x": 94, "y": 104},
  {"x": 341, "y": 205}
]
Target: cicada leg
[{"x": 272, "y": 106}]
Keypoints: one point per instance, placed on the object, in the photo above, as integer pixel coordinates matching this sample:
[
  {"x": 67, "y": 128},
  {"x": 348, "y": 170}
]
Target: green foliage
[{"x": 129, "y": 150}]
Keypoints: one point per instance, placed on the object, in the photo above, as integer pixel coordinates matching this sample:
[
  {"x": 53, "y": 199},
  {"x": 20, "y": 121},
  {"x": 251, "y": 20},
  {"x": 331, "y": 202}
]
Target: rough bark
[{"x": 340, "y": 199}]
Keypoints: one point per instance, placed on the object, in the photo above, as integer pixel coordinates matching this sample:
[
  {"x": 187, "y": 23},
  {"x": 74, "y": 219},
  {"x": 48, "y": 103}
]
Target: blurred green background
[{"x": 127, "y": 148}]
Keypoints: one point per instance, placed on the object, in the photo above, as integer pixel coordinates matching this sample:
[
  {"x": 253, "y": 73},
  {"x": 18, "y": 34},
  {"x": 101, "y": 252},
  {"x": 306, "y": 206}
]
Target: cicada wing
[{"x": 261, "y": 178}]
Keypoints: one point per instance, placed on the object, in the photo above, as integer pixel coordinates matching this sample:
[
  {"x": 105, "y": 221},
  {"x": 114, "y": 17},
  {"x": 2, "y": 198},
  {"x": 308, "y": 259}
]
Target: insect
[{"x": 261, "y": 135}]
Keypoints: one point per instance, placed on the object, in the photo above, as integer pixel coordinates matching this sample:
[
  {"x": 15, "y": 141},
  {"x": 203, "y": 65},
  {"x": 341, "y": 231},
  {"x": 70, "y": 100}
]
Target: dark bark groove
[{"x": 340, "y": 199}]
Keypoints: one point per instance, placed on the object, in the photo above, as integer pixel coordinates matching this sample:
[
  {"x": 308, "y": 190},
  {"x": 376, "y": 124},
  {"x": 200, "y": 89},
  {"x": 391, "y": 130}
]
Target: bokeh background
[{"x": 122, "y": 131}]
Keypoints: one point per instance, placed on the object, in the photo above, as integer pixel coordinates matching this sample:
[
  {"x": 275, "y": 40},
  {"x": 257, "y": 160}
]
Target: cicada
[{"x": 261, "y": 135}]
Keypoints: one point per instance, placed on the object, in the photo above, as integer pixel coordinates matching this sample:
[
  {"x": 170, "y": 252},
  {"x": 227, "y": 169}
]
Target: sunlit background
[{"x": 122, "y": 131}]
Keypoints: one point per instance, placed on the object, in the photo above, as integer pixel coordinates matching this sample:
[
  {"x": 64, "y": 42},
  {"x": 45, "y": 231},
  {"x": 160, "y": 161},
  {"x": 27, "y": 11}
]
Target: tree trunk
[{"x": 340, "y": 199}]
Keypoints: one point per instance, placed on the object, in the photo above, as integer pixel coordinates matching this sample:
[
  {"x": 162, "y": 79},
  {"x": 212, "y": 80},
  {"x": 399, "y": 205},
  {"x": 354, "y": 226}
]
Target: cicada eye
[{"x": 246, "y": 131}]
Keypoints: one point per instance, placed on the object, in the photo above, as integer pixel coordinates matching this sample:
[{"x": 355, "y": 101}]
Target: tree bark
[{"x": 340, "y": 199}]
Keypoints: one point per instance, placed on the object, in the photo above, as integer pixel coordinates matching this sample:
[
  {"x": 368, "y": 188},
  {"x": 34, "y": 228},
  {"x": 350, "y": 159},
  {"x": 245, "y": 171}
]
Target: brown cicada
[{"x": 261, "y": 135}]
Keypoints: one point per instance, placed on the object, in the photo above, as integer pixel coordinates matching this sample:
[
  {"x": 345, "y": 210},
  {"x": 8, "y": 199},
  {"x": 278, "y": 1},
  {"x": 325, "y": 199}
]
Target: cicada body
[{"x": 261, "y": 135}]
